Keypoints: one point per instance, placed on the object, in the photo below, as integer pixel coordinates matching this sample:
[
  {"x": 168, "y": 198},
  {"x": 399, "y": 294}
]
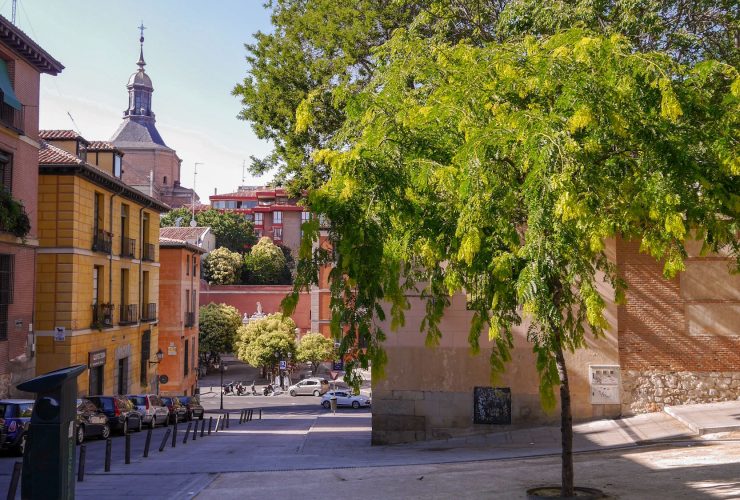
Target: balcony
[
  {"x": 11, "y": 117},
  {"x": 149, "y": 313},
  {"x": 102, "y": 241},
  {"x": 128, "y": 247},
  {"x": 129, "y": 314},
  {"x": 189, "y": 319},
  {"x": 147, "y": 252},
  {"x": 102, "y": 316}
]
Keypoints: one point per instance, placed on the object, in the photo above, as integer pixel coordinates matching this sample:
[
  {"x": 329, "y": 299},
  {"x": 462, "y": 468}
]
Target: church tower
[{"x": 149, "y": 164}]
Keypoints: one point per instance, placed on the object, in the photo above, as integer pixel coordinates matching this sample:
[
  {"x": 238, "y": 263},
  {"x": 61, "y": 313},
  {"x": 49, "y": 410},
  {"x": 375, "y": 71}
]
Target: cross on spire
[
  {"x": 142, "y": 28},
  {"x": 141, "y": 62}
]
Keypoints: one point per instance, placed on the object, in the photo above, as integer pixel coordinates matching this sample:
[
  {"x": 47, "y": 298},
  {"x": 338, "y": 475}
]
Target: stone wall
[{"x": 647, "y": 391}]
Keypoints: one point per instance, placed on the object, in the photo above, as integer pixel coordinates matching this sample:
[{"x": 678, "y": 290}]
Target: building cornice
[{"x": 29, "y": 50}]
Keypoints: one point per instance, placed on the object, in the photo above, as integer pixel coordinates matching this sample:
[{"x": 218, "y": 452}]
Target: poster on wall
[{"x": 492, "y": 405}]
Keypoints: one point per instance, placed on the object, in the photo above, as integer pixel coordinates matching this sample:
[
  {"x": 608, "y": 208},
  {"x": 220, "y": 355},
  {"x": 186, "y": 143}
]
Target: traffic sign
[{"x": 283, "y": 365}]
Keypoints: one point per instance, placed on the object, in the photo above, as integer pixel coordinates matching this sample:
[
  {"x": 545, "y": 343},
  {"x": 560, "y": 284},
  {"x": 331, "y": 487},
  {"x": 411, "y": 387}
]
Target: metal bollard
[
  {"x": 218, "y": 423},
  {"x": 227, "y": 419},
  {"x": 174, "y": 434},
  {"x": 210, "y": 421},
  {"x": 147, "y": 442},
  {"x": 164, "y": 439},
  {"x": 202, "y": 427},
  {"x": 250, "y": 415},
  {"x": 108, "y": 444},
  {"x": 260, "y": 413},
  {"x": 195, "y": 430},
  {"x": 127, "y": 453},
  {"x": 81, "y": 465},
  {"x": 13, "y": 486},
  {"x": 187, "y": 431}
]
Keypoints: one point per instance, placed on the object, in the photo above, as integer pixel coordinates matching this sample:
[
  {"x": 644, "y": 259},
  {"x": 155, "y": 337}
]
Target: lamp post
[
  {"x": 222, "y": 368},
  {"x": 160, "y": 356}
]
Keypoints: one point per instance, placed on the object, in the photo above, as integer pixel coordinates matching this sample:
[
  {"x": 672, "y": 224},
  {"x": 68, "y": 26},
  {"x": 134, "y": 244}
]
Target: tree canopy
[
  {"x": 315, "y": 348},
  {"x": 222, "y": 266},
  {"x": 231, "y": 230},
  {"x": 260, "y": 340},
  {"x": 265, "y": 263},
  {"x": 218, "y": 325}
]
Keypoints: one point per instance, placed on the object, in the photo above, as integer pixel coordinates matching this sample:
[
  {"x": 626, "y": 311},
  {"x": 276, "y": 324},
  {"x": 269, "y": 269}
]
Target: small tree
[
  {"x": 315, "y": 348},
  {"x": 266, "y": 341},
  {"x": 231, "y": 230},
  {"x": 222, "y": 266},
  {"x": 218, "y": 326},
  {"x": 265, "y": 263}
]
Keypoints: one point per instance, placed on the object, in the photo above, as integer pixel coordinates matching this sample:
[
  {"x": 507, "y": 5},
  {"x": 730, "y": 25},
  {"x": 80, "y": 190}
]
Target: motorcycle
[
  {"x": 240, "y": 389},
  {"x": 267, "y": 390},
  {"x": 228, "y": 388}
]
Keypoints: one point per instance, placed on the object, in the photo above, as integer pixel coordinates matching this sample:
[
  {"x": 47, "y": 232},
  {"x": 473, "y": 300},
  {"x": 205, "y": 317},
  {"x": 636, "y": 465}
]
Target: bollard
[
  {"x": 174, "y": 434},
  {"x": 147, "y": 442},
  {"x": 108, "y": 443},
  {"x": 251, "y": 412},
  {"x": 227, "y": 419},
  {"x": 202, "y": 427},
  {"x": 210, "y": 421},
  {"x": 218, "y": 423},
  {"x": 127, "y": 453},
  {"x": 195, "y": 430},
  {"x": 81, "y": 465},
  {"x": 13, "y": 486},
  {"x": 260, "y": 413},
  {"x": 164, "y": 439},
  {"x": 187, "y": 431}
]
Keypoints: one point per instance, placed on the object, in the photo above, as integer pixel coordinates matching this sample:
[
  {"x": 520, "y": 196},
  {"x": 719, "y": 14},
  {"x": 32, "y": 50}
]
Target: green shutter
[{"x": 7, "y": 88}]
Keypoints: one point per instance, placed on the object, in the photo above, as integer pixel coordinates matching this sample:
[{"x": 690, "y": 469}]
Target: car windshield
[
  {"x": 184, "y": 399},
  {"x": 104, "y": 403},
  {"x": 167, "y": 401},
  {"x": 138, "y": 400}
]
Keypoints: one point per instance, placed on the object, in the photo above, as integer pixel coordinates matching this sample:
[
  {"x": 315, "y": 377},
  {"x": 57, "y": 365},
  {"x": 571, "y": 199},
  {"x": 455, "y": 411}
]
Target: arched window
[{"x": 165, "y": 180}]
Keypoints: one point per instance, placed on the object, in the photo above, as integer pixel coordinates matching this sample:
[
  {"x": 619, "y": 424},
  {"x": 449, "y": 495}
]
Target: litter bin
[
  {"x": 49, "y": 461},
  {"x": 333, "y": 403}
]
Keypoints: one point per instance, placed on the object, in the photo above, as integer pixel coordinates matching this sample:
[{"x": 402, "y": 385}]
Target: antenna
[
  {"x": 74, "y": 124},
  {"x": 244, "y": 165},
  {"x": 12, "y": 17},
  {"x": 195, "y": 172}
]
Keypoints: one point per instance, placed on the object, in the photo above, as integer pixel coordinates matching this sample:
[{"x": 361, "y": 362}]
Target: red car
[{"x": 178, "y": 412}]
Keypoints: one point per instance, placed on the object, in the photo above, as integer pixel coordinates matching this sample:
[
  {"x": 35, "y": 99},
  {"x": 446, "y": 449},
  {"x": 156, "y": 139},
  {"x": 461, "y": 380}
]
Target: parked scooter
[
  {"x": 240, "y": 389},
  {"x": 254, "y": 391},
  {"x": 228, "y": 388},
  {"x": 267, "y": 390}
]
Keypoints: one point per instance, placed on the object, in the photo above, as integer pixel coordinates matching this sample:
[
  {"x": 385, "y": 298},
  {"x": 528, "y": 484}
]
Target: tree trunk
[{"x": 566, "y": 425}]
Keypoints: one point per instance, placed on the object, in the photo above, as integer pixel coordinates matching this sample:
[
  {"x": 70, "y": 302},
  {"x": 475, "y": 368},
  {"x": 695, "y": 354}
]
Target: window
[
  {"x": 187, "y": 265},
  {"x": 7, "y": 263},
  {"x": 258, "y": 218},
  {"x": 124, "y": 286},
  {"x": 99, "y": 212},
  {"x": 277, "y": 217},
  {"x": 117, "y": 165},
  {"x": 218, "y": 204},
  {"x": 81, "y": 151},
  {"x": 192, "y": 352},
  {"x": 277, "y": 233},
  {"x": 6, "y": 172},
  {"x": 146, "y": 340},
  {"x": 187, "y": 301},
  {"x": 248, "y": 217},
  {"x": 186, "y": 357},
  {"x": 249, "y": 204},
  {"x": 195, "y": 267},
  {"x": 123, "y": 376},
  {"x": 164, "y": 180},
  {"x": 193, "y": 300},
  {"x": 305, "y": 217}
]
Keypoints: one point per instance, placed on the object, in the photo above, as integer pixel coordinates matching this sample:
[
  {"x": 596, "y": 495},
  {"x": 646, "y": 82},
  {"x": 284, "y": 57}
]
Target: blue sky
[{"x": 194, "y": 53}]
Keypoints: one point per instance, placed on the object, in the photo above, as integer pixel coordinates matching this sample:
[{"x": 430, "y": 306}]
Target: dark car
[
  {"x": 178, "y": 412},
  {"x": 122, "y": 414},
  {"x": 16, "y": 416},
  {"x": 193, "y": 407},
  {"x": 90, "y": 422}
]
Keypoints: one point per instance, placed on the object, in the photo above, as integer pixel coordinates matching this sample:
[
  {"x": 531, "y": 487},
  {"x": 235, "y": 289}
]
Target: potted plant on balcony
[{"x": 13, "y": 217}]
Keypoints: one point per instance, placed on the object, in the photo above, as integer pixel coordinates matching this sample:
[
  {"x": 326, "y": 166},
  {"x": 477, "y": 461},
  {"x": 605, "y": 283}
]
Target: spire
[{"x": 141, "y": 62}]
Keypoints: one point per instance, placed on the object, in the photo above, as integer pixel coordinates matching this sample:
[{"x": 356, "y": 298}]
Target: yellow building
[{"x": 97, "y": 268}]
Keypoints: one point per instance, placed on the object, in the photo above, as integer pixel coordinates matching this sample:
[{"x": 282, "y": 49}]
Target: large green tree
[
  {"x": 317, "y": 47},
  {"x": 217, "y": 326},
  {"x": 264, "y": 342},
  {"x": 231, "y": 230},
  {"x": 265, "y": 263},
  {"x": 315, "y": 348},
  {"x": 222, "y": 266},
  {"x": 500, "y": 168}
]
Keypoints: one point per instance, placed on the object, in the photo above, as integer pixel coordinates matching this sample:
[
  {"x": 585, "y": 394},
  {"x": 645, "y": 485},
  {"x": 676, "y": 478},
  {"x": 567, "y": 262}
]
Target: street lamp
[
  {"x": 160, "y": 356},
  {"x": 222, "y": 368}
]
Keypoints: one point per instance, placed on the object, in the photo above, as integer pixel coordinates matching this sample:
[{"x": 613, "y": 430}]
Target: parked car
[
  {"x": 90, "y": 421},
  {"x": 345, "y": 398},
  {"x": 311, "y": 386},
  {"x": 15, "y": 417},
  {"x": 122, "y": 414},
  {"x": 193, "y": 407},
  {"x": 153, "y": 411},
  {"x": 178, "y": 412}
]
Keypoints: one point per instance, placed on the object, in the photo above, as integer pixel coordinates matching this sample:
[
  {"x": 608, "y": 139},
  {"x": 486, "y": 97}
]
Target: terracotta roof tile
[
  {"x": 182, "y": 233},
  {"x": 101, "y": 146},
  {"x": 52, "y": 155},
  {"x": 51, "y": 135}
]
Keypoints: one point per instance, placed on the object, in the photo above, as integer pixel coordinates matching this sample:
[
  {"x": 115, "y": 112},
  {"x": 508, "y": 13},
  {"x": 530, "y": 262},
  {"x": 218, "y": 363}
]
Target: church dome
[{"x": 140, "y": 78}]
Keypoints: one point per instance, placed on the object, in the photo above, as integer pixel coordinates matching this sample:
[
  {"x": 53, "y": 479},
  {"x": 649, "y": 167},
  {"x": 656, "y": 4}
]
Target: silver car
[
  {"x": 151, "y": 407},
  {"x": 313, "y": 386}
]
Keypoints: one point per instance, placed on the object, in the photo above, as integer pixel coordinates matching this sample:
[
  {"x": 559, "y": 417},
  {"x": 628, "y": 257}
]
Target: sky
[{"x": 194, "y": 54}]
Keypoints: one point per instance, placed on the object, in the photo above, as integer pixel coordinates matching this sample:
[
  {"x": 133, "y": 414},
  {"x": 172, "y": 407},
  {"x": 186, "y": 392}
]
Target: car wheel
[
  {"x": 21, "y": 448},
  {"x": 326, "y": 404},
  {"x": 316, "y": 393},
  {"x": 80, "y": 434},
  {"x": 124, "y": 429},
  {"x": 292, "y": 393},
  {"x": 105, "y": 433},
  {"x": 355, "y": 404}
]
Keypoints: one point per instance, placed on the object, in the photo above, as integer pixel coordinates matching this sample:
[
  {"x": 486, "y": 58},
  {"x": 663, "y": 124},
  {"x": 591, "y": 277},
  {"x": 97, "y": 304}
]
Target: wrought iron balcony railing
[
  {"x": 128, "y": 247},
  {"x": 102, "y": 241},
  {"x": 149, "y": 313},
  {"x": 147, "y": 252},
  {"x": 129, "y": 314},
  {"x": 102, "y": 315}
]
